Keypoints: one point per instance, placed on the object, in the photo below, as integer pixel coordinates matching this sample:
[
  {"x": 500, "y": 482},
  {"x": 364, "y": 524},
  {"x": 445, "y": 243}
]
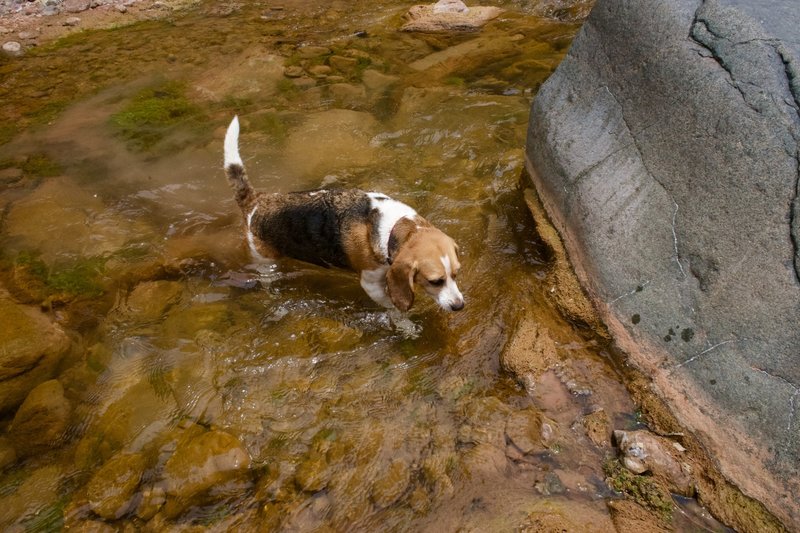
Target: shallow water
[{"x": 347, "y": 423}]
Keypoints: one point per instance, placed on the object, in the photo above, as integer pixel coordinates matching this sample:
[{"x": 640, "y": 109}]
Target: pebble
[
  {"x": 12, "y": 48},
  {"x": 72, "y": 21},
  {"x": 76, "y": 6},
  {"x": 293, "y": 72}
]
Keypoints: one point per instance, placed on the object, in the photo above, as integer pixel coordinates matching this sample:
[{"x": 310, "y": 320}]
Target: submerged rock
[
  {"x": 313, "y": 474},
  {"x": 111, "y": 490},
  {"x": 598, "y": 427},
  {"x": 530, "y": 352},
  {"x": 150, "y": 300},
  {"x": 12, "y": 48},
  {"x": 60, "y": 217},
  {"x": 30, "y": 349},
  {"x": 135, "y": 418},
  {"x": 36, "y": 494},
  {"x": 253, "y": 72},
  {"x": 200, "y": 463},
  {"x": 332, "y": 140},
  {"x": 448, "y": 16},
  {"x": 41, "y": 420},
  {"x": 7, "y": 453},
  {"x": 530, "y": 431},
  {"x": 390, "y": 486}
]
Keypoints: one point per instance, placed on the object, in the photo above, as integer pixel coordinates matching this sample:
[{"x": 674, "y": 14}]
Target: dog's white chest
[{"x": 391, "y": 211}]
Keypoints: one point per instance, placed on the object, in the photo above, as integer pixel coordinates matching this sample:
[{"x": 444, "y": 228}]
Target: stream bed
[{"x": 180, "y": 385}]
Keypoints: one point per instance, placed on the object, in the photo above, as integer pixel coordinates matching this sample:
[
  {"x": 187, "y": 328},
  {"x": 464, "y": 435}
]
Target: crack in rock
[
  {"x": 792, "y": 73},
  {"x": 795, "y": 394},
  {"x": 707, "y": 350},
  {"x": 703, "y": 35},
  {"x": 712, "y": 39},
  {"x": 638, "y": 288}
]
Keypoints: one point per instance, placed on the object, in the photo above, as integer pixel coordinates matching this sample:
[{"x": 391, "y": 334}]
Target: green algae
[
  {"x": 270, "y": 123},
  {"x": 151, "y": 113},
  {"x": 36, "y": 165},
  {"x": 81, "y": 278},
  {"x": 41, "y": 166}
]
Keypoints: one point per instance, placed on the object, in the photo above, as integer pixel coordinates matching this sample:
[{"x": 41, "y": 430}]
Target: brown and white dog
[{"x": 385, "y": 241}]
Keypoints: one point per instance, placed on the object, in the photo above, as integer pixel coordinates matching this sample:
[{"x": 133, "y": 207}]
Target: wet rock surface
[
  {"x": 41, "y": 420},
  {"x": 110, "y": 492},
  {"x": 199, "y": 464},
  {"x": 669, "y": 166},
  {"x": 31, "y": 347}
]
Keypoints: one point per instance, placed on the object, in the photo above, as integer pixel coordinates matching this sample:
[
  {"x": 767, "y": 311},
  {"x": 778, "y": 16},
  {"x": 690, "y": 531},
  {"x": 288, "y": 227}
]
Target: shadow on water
[{"x": 201, "y": 388}]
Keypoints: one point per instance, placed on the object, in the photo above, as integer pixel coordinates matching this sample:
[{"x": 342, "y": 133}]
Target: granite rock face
[{"x": 665, "y": 149}]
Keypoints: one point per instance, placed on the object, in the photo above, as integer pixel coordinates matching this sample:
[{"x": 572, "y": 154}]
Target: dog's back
[{"x": 312, "y": 226}]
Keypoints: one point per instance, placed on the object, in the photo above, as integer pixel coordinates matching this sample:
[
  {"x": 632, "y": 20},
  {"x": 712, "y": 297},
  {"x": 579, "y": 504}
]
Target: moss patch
[
  {"x": 41, "y": 166},
  {"x": 644, "y": 490},
  {"x": 152, "y": 113},
  {"x": 81, "y": 278},
  {"x": 271, "y": 124}
]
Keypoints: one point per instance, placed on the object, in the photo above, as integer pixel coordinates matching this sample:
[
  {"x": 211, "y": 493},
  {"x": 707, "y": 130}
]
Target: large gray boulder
[{"x": 665, "y": 149}]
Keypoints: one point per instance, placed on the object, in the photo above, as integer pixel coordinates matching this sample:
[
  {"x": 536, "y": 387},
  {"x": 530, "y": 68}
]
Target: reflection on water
[{"x": 200, "y": 388}]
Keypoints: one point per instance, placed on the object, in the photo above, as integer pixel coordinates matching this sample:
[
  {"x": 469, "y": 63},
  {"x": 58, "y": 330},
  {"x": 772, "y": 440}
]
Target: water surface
[{"x": 117, "y": 202}]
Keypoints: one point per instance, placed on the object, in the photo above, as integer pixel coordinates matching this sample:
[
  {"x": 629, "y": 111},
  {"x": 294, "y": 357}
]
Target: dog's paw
[
  {"x": 265, "y": 272},
  {"x": 403, "y": 325}
]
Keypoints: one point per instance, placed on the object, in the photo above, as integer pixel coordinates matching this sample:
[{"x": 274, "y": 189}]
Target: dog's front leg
[{"x": 374, "y": 284}]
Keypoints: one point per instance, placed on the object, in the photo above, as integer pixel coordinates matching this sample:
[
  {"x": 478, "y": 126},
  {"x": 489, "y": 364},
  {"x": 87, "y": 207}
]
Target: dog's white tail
[
  {"x": 234, "y": 168},
  {"x": 232, "y": 144}
]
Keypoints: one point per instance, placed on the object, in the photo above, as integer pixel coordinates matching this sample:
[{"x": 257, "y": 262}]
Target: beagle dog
[{"x": 385, "y": 241}]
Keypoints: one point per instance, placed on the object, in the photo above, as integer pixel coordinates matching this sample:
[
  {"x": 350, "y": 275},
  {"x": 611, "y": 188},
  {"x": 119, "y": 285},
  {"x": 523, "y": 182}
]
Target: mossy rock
[
  {"x": 644, "y": 490},
  {"x": 37, "y": 496},
  {"x": 34, "y": 281}
]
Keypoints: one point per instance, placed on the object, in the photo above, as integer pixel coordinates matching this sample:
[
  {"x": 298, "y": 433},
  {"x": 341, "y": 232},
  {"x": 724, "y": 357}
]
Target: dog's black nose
[{"x": 457, "y": 306}]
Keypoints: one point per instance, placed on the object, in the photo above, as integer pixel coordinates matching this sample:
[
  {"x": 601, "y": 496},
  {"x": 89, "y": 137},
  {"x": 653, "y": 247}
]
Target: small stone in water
[{"x": 12, "y": 48}]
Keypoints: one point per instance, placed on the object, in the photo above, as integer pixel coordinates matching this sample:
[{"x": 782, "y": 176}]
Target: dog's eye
[{"x": 436, "y": 282}]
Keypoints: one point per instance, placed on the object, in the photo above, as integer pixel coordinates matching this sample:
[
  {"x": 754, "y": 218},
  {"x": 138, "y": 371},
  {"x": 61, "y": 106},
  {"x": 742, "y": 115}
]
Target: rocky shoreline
[{"x": 27, "y": 24}]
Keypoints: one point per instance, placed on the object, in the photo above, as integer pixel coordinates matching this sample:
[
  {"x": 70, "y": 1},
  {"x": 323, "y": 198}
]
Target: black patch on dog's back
[{"x": 309, "y": 225}]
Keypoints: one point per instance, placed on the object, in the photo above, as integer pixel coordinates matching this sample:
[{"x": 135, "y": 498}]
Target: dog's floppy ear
[{"x": 400, "y": 283}]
